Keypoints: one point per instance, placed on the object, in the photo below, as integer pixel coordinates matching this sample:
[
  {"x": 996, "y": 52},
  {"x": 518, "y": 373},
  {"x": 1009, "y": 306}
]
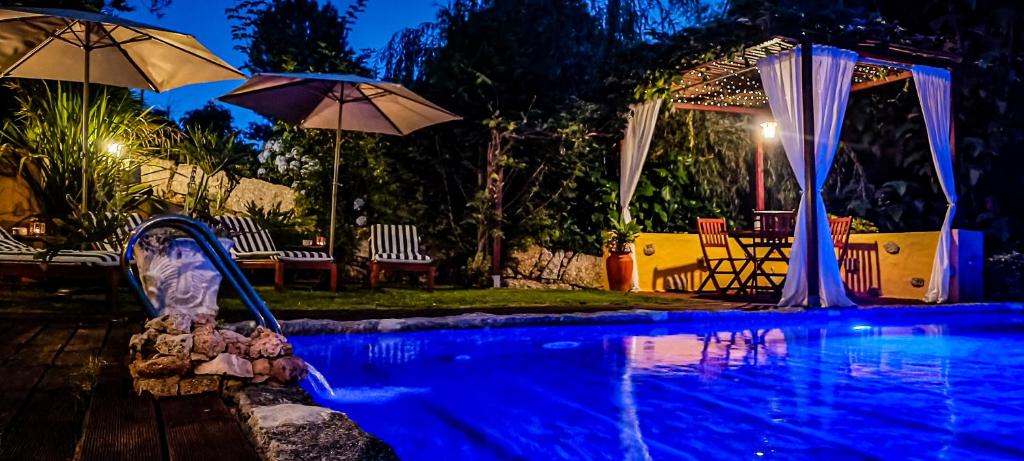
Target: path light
[{"x": 769, "y": 129}]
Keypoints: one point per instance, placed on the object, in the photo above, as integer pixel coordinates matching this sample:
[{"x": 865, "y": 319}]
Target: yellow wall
[{"x": 677, "y": 263}]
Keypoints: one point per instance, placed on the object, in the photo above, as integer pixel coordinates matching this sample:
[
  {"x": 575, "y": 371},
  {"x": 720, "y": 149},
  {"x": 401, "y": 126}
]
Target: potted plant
[{"x": 619, "y": 264}]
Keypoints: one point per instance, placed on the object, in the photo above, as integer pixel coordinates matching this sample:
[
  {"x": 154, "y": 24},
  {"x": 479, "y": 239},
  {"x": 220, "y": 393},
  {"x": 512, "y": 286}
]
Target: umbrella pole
[
  {"x": 85, "y": 124},
  {"x": 334, "y": 183}
]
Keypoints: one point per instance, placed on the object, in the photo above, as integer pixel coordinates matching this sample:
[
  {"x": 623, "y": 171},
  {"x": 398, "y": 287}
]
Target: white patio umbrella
[
  {"x": 338, "y": 102},
  {"x": 79, "y": 46}
]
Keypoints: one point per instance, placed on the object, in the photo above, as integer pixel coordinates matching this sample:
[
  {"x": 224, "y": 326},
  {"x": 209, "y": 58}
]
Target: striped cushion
[
  {"x": 85, "y": 258},
  {"x": 303, "y": 256},
  {"x": 395, "y": 243},
  {"x": 251, "y": 240},
  {"x": 116, "y": 242},
  {"x": 13, "y": 251},
  {"x": 8, "y": 243}
]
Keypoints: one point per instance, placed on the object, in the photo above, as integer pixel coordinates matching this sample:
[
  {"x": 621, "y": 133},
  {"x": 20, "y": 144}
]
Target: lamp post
[{"x": 768, "y": 132}]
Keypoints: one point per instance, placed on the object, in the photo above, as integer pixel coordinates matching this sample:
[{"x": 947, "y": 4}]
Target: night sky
[{"x": 206, "y": 20}]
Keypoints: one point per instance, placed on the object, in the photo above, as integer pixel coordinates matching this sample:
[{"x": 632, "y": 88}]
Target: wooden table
[{"x": 759, "y": 251}]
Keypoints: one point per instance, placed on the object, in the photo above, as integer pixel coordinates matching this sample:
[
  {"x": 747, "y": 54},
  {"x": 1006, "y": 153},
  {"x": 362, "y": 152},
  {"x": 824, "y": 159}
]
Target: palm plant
[
  {"x": 43, "y": 144},
  {"x": 212, "y": 153}
]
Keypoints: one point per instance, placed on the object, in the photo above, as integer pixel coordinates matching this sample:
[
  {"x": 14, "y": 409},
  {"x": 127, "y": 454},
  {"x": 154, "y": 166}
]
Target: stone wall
[
  {"x": 170, "y": 180},
  {"x": 538, "y": 267}
]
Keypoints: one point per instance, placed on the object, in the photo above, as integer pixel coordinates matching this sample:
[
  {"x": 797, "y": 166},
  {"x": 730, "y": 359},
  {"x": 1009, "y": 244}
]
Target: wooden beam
[
  {"x": 725, "y": 109},
  {"x": 887, "y": 80}
]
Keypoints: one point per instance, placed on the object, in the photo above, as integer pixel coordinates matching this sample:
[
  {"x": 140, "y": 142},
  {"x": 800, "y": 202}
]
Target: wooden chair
[
  {"x": 254, "y": 249},
  {"x": 397, "y": 248},
  {"x": 714, "y": 234},
  {"x": 840, "y": 228}
]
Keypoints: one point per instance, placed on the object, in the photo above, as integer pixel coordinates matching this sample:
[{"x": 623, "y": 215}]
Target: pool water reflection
[{"x": 891, "y": 384}]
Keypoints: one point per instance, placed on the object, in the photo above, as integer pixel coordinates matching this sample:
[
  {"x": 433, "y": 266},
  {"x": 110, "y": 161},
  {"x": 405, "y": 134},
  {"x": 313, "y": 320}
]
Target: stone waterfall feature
[{"x": 183, "y": 351}]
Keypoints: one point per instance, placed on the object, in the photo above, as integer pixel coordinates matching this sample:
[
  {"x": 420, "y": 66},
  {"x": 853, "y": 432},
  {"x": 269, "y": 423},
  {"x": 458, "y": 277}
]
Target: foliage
[
  {"x": 43, "y": 145},
  {"x": 621, "y": 235},
  {"x": 212, "y": 153},
  {"x": 285, "y": 226}
]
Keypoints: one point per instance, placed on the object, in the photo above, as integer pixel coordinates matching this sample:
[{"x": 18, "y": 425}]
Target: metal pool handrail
[{"x": 214, "y": 252}]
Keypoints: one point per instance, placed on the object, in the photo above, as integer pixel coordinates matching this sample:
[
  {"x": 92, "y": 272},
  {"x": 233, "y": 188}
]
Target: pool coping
[{"x": 477, "y": 320}]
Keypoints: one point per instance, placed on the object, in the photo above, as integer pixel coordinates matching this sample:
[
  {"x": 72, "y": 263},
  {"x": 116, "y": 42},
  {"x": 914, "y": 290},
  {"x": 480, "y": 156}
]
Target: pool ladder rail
[{"x": 214, "y": 252}]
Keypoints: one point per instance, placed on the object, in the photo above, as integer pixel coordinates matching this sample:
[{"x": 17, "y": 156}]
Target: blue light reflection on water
[{"x": 779, "y": 387}]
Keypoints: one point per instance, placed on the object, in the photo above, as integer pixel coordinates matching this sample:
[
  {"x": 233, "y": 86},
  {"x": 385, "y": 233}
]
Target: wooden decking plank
[
  {"x": 13, "y": 341},
  {"x": 203, "y": 421},
  {"x": 115, "y": 345},
  {"x": 88, "y": 338},
  {"x": 46, "y": 429},
  {"x": 120, "y": 426},
  {"x": 19, "y": 332}
]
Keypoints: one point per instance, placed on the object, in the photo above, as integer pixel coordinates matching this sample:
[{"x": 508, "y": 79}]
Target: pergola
[{"x": 773, "y": 79}]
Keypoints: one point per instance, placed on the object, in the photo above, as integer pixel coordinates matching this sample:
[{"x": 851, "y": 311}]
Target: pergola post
[{"x": 810, "y": 173}]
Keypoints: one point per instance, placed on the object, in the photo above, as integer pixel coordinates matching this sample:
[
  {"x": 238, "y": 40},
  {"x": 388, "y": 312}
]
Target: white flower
[
  {"x": 295, "y": 185},
  {"x": 295, "y": 164},
  {"x": 358, "y": 204},
  {"x": 282, "y": 163},
  {"x": 361, "y": 221},
  {"x": 261, "y": 171}
]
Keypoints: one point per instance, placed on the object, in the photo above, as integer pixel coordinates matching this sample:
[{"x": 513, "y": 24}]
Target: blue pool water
[{"x": 879, "y": 384}]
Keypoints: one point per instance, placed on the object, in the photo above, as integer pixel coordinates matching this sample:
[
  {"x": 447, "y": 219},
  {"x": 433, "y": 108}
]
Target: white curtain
[
  {"x": 639, "y": 129},
  {"x": 933, "y": 89},
  {"x": 833, "y": 75}
]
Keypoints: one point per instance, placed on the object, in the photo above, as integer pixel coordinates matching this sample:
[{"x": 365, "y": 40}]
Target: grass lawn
[
  {"x": 353, "y": 303},
  {"x": 456, "y": 298}
]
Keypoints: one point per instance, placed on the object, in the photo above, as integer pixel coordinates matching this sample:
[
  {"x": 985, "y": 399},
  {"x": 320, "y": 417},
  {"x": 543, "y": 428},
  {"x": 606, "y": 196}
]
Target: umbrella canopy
[
  {"x": 79, "y": 46},
  {"x": 317, "y": 101},
  {"x": 338, "y": 102},
  {"x": 55, "y": 44}
]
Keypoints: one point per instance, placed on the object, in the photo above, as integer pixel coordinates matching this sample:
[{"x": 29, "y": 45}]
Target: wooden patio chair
[
  {"x": 714, "y": 234},
  {"x": 397, "y": 248},
  {"x": 840, "y": 228},
  {"x": 255, "y": 249}
]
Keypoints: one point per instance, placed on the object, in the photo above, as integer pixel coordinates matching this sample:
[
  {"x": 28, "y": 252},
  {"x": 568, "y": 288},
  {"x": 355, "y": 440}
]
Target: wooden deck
[{"x": 65, "y": 393}]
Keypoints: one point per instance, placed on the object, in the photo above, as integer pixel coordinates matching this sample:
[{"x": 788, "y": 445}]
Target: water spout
[{"x": 318, "y": 382}]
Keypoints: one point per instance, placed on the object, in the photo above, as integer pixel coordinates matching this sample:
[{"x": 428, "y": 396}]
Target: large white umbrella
[
  {"x": 338, "y": 102},
  {"x": 79, "y": 46}
]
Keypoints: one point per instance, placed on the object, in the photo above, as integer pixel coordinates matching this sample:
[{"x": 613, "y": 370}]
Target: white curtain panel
[
  {"x": 639, "y": 129},
  {"x": 933, "y": 89},
  {"x": 833, "y": 76}
]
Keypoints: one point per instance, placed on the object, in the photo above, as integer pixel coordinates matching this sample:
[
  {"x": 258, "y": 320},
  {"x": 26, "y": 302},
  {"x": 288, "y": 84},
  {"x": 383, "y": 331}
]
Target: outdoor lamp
[
  {"x": 115, "y": 148},
  {"x": 768, "y": 129}
]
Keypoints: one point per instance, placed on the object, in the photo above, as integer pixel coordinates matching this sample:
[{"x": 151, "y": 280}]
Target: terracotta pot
[{"x": 620, "y": 271}]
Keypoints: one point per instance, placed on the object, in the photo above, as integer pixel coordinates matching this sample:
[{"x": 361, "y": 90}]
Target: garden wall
[{"x": 891, "y": 266}]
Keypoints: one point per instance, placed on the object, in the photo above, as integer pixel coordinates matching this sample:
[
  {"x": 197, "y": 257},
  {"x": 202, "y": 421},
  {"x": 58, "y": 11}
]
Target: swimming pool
[{"x": 876, "y": 384}]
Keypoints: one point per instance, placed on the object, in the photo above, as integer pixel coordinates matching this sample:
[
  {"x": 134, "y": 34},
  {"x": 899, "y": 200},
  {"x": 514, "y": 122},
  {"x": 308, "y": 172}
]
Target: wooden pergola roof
[{"x": 733, "y": 83}]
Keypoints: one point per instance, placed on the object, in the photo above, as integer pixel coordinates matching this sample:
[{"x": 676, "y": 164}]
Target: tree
[
  {"x": 296, "y": 36},
  {"x": 211, "y": 118}
]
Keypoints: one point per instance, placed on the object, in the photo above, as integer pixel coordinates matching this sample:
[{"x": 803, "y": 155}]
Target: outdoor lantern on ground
[{"x": 58, "y": 44}]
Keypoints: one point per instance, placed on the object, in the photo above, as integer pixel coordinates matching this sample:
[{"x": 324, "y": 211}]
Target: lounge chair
[
  {"x": 116, "y": 242},
  {"x": 396, "y": 248},
  {"x": 20, "y": 260},
  {"x": 254, "y": 249}
]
